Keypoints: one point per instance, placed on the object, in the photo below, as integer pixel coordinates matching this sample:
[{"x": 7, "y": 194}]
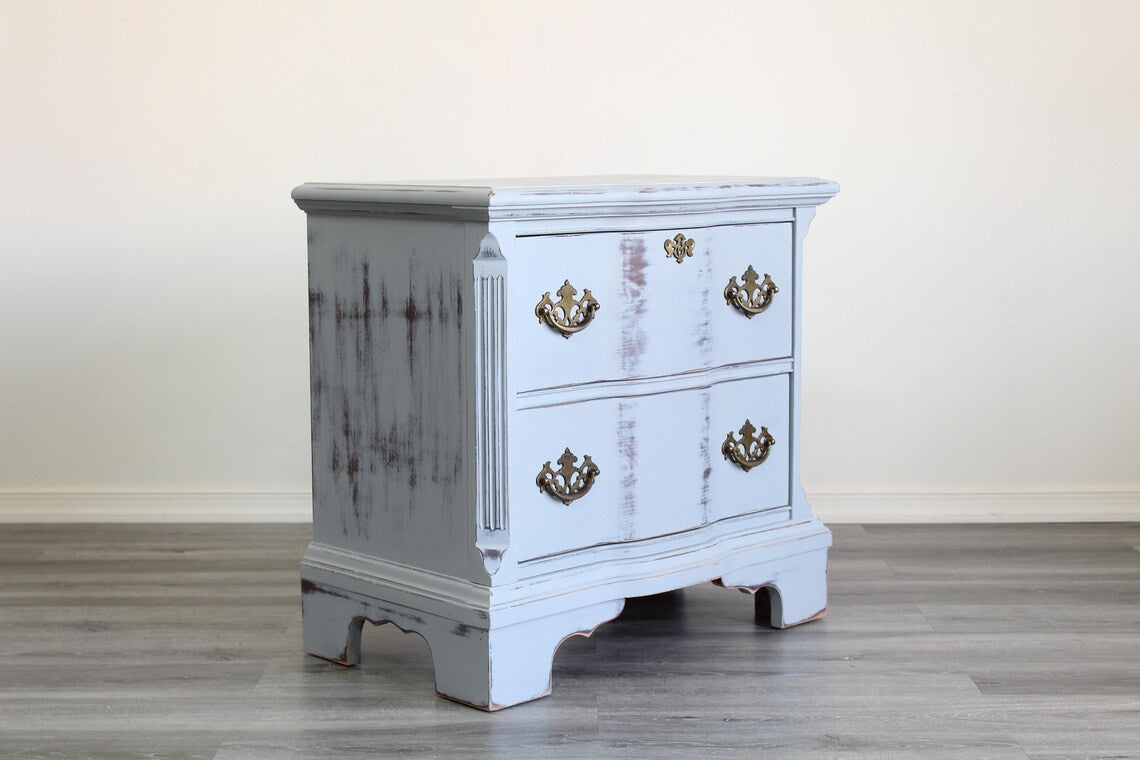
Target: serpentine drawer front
[
  {"x": 659, "y": 464},
  {"x": 648, "y": 314},
  {"x": 531, "y": 400}
]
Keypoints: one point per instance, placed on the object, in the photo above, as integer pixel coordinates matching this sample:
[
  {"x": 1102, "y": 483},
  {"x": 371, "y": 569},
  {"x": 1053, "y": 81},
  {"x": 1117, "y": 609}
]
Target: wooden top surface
[{"x": 542, "y": 196}]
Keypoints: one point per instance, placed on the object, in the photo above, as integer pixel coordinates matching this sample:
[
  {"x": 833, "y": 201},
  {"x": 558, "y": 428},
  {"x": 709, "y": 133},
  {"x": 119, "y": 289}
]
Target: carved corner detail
[{"x": 492, "y": 528}]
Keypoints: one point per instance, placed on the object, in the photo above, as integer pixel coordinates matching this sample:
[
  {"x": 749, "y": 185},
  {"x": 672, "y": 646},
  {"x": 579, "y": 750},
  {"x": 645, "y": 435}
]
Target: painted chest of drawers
[{"x": 534, "y": 399}]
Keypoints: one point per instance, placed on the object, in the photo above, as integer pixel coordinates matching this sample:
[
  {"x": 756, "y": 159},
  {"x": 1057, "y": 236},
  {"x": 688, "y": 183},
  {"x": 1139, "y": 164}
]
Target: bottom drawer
[{"x": 657, "y": 464}]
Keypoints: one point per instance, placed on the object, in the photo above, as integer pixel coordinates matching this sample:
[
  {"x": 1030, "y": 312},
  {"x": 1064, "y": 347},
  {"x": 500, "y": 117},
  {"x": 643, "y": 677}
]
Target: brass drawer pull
[
  {"x": 750, "y": 298},
  {"x": 750, "y": 451},
  {"x": 567, "y": 315},
  {"x": 568, "y": 482},
  {"x": 679, "y": 247}
]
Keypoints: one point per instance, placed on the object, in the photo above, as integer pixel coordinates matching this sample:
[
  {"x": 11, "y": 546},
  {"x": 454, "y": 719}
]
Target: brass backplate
[
  {"x": 750, "y": 450},
  {"x": 567, "y": 315},
  {"x": 751, "y": 299},
  {"x": 568, "y": 482},
  {"x": 679, "y": 247}
]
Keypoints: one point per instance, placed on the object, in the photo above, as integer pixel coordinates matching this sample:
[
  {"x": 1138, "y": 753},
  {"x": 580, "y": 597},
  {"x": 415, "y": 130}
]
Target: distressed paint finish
[
  {"x": 657, "y": 317},
  {"x": 650, "y": 481},
  {"x": 388, "y": 355},
  {"x": 438, "y": 397},
  {"x": 484, "y": 666}
]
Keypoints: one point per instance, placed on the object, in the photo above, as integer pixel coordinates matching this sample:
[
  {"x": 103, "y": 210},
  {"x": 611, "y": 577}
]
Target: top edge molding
[{"x": 563, "y": 197}]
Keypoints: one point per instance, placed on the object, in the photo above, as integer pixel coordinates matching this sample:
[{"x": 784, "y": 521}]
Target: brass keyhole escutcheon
[
  {"x": 568, "y": 482},
  {"x": 679, "y": 247},
  {"x": 567, "y": 315},
  {"x": 750, "y": 450},
  {"x": 751, "y": 299}
]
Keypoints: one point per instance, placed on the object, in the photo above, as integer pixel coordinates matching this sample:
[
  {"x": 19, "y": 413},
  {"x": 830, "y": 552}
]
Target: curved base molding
[
  {"x": 486, "y": 667},
  {"x": 787, "y": 592},
  {"x": 493, "y": 647}
]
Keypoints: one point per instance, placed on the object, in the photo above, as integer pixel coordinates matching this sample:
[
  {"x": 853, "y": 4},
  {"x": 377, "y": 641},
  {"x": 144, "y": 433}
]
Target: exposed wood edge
[
  {"x": 829, "y": 506},
  {"x": 975, "y": 507}
]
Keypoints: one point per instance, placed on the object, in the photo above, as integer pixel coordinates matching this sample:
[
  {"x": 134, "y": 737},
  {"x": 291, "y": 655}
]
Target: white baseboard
[
  {"x": 976, "y": 507},
  {"x": 167, "y": 507},
  {"x": 833, "y": 507}
]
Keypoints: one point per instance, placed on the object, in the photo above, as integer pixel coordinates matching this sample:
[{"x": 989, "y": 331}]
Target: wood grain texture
[{"x": 175, "y": 641}]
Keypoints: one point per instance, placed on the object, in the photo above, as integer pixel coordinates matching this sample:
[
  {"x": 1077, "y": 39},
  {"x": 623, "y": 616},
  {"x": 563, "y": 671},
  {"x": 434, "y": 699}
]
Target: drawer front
[
  {"x": 646, "y": 314},
  {"x": 765, "y": 403},
  {"x": 658, "y": 465},
  {"x": 649, "y": 481},
  {"x": 763, "y": 329}
]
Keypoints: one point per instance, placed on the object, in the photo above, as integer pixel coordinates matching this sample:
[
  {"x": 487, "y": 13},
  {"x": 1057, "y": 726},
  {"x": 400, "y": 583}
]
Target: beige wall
[{"x": 972, "y": 316}]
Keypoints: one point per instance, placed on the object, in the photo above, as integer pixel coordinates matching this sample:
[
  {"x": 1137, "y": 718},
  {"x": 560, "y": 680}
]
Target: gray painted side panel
[{"x": 390, "y": 362}]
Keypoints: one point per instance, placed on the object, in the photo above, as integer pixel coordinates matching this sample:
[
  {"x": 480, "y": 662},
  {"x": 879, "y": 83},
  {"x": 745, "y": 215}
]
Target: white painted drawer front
[
  {"x": 660, "y": 462},
  {"x": 656, "y": 316},
  {"x": 650, "y": 479},
  {"x": 765, "y": 403},
  {"x": 767, "y": 248}
]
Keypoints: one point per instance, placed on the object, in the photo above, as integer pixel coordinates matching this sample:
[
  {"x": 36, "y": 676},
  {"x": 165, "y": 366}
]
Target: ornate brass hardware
[
  {"x": 567, "y": 315},
  {"x": 750, "y": 451},
  {"x": 568, "y": 482},
  {"x": 750, "y": 298},
  {"x": 679, "y": 247}
]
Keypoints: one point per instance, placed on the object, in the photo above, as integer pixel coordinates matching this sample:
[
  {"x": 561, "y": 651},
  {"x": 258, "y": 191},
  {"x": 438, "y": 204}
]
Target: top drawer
[{"x": 647, "y": 313}]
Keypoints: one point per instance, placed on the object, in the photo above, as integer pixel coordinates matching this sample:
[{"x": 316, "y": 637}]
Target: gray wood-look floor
[{"x": 979, "y": 641}]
